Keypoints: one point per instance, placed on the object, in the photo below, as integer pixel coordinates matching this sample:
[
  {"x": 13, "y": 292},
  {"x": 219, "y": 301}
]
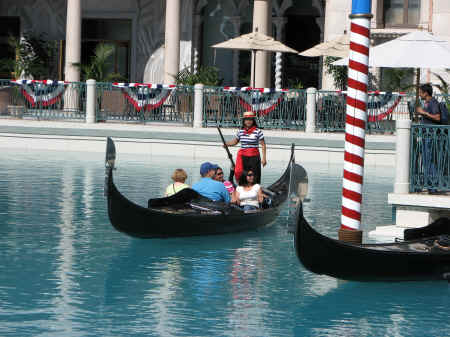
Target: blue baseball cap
[{"x": 206, "y": 167}]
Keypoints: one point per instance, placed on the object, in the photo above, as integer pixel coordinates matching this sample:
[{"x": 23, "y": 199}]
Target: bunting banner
[
  {"x": 43, "y": 93},
  {"x": 145, "y": 96},
  {"x": 377, "y": 103},
  {"x": 259, "y": 100},
  {"x": 376, "y": 110}
]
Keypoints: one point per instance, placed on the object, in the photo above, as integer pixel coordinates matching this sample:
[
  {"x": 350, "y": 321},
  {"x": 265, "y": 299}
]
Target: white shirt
[
  {"x": 250, "y": 140},
  {"x": 249, "y": 197}
]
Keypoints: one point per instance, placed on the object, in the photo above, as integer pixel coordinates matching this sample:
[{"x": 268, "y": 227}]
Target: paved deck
[{"x": 38, "y": 134}]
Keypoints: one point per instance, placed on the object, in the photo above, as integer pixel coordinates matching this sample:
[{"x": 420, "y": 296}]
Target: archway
[{"x": 303, "y": 30}]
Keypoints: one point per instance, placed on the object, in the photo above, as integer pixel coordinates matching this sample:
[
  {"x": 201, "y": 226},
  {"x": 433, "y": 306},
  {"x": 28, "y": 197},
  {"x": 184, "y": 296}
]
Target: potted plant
[
  {"x": 34, "y": 57},
  {"x": 97, "y": 70},
  {"x": 208, "y": 76}
]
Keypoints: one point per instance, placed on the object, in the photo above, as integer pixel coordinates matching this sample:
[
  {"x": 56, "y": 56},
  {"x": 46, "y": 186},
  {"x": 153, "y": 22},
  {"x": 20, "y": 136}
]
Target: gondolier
[
  {"x": 187, "y": 213},
  {"x": 248, "y": 157}
]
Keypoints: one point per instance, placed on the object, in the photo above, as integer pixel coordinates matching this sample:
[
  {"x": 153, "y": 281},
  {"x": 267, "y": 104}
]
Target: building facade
[
  {"x": 391, "y": 19},
  {"x": 137, "y": 28}
]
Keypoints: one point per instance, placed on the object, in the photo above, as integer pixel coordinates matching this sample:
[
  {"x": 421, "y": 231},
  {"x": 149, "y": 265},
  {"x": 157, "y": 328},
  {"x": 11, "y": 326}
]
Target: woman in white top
[{"x": 248, "y": 194}]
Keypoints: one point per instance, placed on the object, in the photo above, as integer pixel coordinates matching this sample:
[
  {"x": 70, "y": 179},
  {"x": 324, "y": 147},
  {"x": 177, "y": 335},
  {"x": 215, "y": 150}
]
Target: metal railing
[
  {"x": 68, "y": 102},
  {"x": 330, "y": 111},
  {"x": 113, "y": 105},
  {"x": 430, "y": 158},
  {"x": 225, "y": 108},
  {"x": 383, "y": 111},
  {"x": 220, "y": 106}
]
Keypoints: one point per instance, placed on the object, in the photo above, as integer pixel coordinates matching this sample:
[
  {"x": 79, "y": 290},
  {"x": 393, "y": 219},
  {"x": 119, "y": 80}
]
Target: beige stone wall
[
  {"x": 441, "y": 27},
  {"x": 336, "y": 22}
]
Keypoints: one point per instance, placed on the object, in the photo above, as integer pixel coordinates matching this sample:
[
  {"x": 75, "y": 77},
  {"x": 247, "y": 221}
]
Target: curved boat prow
[
  {"x": 110, "y": 153},
  {"x": 400, "y": 261},
  {"x": 110, "y": 159}
]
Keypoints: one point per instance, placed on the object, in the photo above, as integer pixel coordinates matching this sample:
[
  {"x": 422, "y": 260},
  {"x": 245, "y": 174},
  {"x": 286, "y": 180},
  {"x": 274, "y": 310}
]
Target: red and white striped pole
[{"x": 355, "y": 125}]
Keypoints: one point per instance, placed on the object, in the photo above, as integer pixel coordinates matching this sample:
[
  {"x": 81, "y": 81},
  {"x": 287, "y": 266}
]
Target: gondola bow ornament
[{"x": 145, "y": 96}]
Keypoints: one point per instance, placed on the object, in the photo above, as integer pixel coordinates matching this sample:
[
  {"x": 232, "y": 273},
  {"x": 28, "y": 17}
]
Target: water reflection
[
  {"x": 63, "y": 303},
  {"x": 65, "y": 271}
]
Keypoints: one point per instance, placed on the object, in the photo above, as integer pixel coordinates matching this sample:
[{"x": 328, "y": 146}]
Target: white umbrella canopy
[
  {"x": 255, "y": 41},
  {"x": 337, "y": 47},
  {"x": 415, "y": 50}
]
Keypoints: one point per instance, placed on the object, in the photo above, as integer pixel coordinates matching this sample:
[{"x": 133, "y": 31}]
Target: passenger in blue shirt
[{"x": 210, "y": 188}]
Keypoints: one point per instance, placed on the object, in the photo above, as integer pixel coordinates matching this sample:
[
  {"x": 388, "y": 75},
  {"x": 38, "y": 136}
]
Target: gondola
[
  {"x": 188, "y": 214},
  {"x": 412, "y": 260}
]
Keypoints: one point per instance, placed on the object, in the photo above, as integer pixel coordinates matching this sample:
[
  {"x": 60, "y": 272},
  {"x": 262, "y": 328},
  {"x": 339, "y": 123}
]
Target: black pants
[{"x": 253, "y": 164}]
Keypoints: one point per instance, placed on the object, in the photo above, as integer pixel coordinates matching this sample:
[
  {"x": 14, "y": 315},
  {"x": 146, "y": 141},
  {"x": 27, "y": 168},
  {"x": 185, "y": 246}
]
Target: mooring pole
[{"x": 355, "y": 125}]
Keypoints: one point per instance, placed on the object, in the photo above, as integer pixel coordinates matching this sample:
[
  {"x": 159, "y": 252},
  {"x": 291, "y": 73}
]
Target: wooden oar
[{"x": 230, "y": 156}]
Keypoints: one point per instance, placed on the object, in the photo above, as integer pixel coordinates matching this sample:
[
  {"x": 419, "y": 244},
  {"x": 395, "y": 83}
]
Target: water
[{"x": 65, "y": 271}]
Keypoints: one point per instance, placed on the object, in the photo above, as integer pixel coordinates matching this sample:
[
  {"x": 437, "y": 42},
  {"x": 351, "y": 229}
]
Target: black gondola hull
[
  {"x": 142, "y": 222},
  {"x": 405, "y": 261},
  {"x": 172, "y": 217}
]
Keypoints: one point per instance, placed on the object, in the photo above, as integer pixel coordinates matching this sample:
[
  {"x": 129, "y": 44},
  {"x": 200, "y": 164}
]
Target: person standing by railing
[
  {"x": 431, "y": 115},
  {"x": 248, "y": 157},
  {"x": 430, "y": 111}
]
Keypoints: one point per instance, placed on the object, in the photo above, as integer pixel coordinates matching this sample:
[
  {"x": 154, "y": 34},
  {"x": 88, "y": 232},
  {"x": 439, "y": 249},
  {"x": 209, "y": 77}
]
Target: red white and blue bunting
[
  {"x": 145, "y": 96},
  {"x": 376, "y": 105},
  {"x": 259, "y": 100},
  {"x": 41, "y": 92}
]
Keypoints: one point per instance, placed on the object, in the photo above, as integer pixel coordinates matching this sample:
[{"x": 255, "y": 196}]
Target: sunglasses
[
  {"x": 250, "y": 175},
  {"x": 219, "y": 173}
]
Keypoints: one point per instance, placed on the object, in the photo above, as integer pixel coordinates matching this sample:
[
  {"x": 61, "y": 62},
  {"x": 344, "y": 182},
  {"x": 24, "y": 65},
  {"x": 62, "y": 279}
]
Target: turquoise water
[{"x": 65, "y": 271}]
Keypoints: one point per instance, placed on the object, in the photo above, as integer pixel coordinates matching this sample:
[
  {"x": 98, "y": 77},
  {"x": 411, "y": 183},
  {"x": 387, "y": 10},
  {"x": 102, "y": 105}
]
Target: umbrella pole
[
  {"x": 252, "y": 84},
  {"x": 417, "y": 91}
]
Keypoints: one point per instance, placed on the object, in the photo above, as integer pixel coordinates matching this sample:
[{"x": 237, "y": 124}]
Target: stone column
[
  {"x": 402, "y": 156},
  {"x": 262, "y": 14},
  {"x": 236, "y": 21},
  {"x": 172, "y": 41},
  {"x": 91, "y": 100},
  {"x": 321, "y": 23},
  {"x": 73, "y": 55},
  {"x": 198, "y": 105},
  {"x": 73, "y": 40},
  {"x": 311, "y": 110},
  {"x": 196, "y": 36},
  {"x": 336, "y": 23},
  {"x": 279, "y": 23}
]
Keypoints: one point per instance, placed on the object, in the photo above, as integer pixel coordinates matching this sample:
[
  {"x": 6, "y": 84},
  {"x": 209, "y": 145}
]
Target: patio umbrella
[
  {"x": 254, "y": 42},
  {"x": 414, "y": 50},
  {"x": 337, "y": 47}
]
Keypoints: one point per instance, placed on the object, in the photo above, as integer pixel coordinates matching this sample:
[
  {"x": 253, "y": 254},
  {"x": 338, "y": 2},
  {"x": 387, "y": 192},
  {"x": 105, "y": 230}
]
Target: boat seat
[
  {"x": 215, "y": 207},
  {"x": 181, "y": 198},
  {"x": 440, "y": 227},
  {"x": 268, "y": 192}
]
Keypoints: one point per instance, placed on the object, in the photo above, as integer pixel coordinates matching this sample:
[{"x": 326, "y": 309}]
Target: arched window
[{"x": 404, "y": 13}]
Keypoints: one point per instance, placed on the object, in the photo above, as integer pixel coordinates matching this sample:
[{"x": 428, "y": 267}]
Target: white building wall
[
  {"x": 434, "y": 17},
  {"x": 336, "y": 23},
  {"x": 147, "y": 21},
  {"x": 441, "y": 28}
]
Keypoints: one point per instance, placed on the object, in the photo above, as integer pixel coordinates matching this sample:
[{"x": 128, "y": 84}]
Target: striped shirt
[{"x": 250, "y": 140}]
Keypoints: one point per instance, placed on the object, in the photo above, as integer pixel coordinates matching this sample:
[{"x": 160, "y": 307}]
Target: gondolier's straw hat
[{"x": 249, "y": 114}]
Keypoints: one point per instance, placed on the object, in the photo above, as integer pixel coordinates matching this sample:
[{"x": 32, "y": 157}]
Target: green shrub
[{"x": 205, "y": 75}]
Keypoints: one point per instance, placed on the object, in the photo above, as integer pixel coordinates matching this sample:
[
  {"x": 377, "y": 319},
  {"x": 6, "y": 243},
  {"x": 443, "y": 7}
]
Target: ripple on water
[{"x": 66, "y": 272}]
